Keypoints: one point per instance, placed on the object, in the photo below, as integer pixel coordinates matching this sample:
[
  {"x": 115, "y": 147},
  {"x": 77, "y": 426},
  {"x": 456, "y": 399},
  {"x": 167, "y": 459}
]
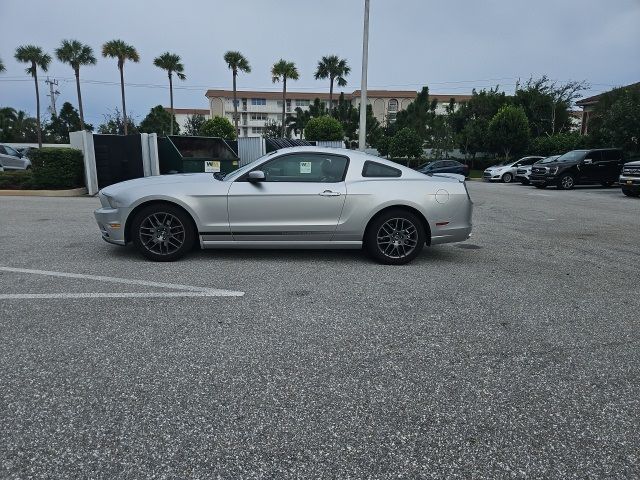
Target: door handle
[{"x": 329, "y": 193}]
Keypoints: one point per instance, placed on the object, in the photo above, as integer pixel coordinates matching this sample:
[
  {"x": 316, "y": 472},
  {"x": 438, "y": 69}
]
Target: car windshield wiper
[{"x": 219, "y": 175}]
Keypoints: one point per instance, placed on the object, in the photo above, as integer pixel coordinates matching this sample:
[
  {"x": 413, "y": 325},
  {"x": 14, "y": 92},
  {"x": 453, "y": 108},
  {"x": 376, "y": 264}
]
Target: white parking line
[{"x": 187, "y": 290}]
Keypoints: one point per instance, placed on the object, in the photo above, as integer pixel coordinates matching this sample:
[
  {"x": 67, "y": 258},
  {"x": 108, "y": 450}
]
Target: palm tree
[
  {"x": 335, "y": 69},
  {"x": 171, "y": 63},
  {"x": 236, "y": 63},
  {"x": 36, "y": 58},
  {"x": 76, "y": 54},
  {"x": 282, "y": 70},
  {"x": 122, "y": 51}
]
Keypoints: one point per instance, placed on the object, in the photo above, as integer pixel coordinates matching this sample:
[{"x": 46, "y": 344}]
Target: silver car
[
  {"x": 506, "y": 172},
  {"x": 10, "y": 159},
  {"x": 302, "y": 197}
]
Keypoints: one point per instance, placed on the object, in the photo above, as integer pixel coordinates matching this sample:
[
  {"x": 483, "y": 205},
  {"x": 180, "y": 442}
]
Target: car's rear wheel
[
  {"x": 507, "y": 178},
  {"x": 566, "y": 182},
  {"x": 394, "y": 238},
  {"x": 630, "y": 193},
  {"x": 162, "y": 232}
]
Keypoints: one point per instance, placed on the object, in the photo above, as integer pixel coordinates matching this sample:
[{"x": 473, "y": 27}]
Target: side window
[
  {"x": 529, "y": 161},
  {"x": 11, "y": 151},
  {"x": 593, "y": 156},
  {"x": 378, "y": 170},
  {"x": 301, "y": 167},
  {"x": 2, "y": 150},
  {"x": 612, "y": 155}
]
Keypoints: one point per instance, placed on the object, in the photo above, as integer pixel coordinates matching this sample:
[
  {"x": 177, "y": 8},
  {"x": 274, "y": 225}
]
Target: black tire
[
  {"x": 566, "y": 182},
  {"x": 524, "y": 182},
  {"x": 606, "y": 184},
  {"x": 630, "y": 193},
  {"x": 163, "y": 232},
  {"x": 507, "y": 178},
  {"x": 540, "y": 186},
  {"x": 398, "y": 229}
]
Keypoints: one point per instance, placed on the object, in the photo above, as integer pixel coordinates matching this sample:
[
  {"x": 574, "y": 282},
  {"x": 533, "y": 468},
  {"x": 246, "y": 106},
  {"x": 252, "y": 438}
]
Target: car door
[
  {"x": 11, "y": 158},
  {"x": 300, "y": 199},
  {"x": 591, "y": 168},
  {"x": 612, "y": 164}
]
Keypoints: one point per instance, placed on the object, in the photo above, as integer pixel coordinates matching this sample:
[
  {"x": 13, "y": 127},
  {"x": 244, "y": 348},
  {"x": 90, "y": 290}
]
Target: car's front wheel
[
  {"x": 630, "y": 193},
  {"x": 394, "y": 238},
  {"x": 162, "y": 232},
  {"x": 507, "y": 178},
  {"x": 566, "y": 182}
]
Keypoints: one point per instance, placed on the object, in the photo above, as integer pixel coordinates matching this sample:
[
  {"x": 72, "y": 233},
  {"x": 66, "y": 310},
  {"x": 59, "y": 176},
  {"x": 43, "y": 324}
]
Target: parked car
[
  {"x": 301, "y": 197},
  {"x": 25, "y": 152},
  {"x": 506, "y": 172},
  {"x": 601, "y": 166},
  {"x": 523, "y": 173},
  {"x": 630, "y": 179},
  {"x": 10, "y": 159},
  {"x": 444, "y": 166}
]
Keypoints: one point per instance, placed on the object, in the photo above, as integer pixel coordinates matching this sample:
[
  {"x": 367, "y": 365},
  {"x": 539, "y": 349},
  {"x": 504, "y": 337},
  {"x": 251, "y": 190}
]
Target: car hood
[
  {"x": 159, "y": 180},
  {"x": 632, "y": 164}
]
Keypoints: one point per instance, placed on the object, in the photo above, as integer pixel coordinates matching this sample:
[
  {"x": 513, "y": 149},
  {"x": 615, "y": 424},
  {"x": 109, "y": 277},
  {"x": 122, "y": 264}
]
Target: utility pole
[
  {"x": 53, "y": 93},
  {"x": 362, "y": 135}
]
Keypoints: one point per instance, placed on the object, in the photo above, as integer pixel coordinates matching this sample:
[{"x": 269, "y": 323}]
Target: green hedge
[
  {"x": 16, "y": 180},
  {"x": 57, "y": 168}
]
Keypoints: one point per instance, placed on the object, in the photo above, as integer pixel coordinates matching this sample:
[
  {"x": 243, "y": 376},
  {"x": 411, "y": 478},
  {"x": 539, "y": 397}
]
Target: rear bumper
[
  {"x": 111, "y": 225},
  {"x": 451, "y": 235}
]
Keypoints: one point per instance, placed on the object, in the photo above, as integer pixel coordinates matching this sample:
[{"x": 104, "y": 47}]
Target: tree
[
  {"x": 323, "y": 128},
  {"x": 296, "y": 122},
  {"x": 615, "y": 120},
  {"x": 418, "y": 115},
  {"x": 272, "y": 129},
  {"x": 193, "y": 124},
  {"x": 17, "y": 126},
  {"x": 236, "y": 62},
  {"x": 2, "y": 68},
  {"x": 159, "y": 121},
  {"x": 383, "y": 144},
  {"x": 35, "y": 57},
  {"x": 59, "y": 126},
  {"x": 406, "y": 143},
  {"x": 114, "y": 124},
  {"x": 76, "y": 55},
  {"x": 172, "y": 64},
  {"x": 317, "y": 109},
  {"x": 283, "y": 70},
  {"x": 122, "y": 51},
  {"x": 218, "y": 127},
  {"x": 335, "y": 69},
  {"x": 557, "y": 144},
  {"x": 509, "y": 130}
]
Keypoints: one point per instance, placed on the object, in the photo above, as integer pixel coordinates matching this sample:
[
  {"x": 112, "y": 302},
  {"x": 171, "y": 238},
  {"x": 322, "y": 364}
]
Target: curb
[{"x": 74, "y": 192}]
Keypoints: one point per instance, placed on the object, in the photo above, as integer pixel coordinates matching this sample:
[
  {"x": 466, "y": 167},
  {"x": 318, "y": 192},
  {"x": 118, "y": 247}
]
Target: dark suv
[
  {"x": 630, "y": 179},
  {"x": 601, "y": 166}
]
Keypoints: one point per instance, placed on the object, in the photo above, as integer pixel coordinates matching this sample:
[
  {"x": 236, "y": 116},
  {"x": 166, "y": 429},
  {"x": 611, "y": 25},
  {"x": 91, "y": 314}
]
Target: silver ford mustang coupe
[{"x": 302, "y": 197}]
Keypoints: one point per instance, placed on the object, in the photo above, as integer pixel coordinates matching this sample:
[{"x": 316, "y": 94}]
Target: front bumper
[
  {"x": 491, "y": 176},
  {"x": 630, "y": 183},
  {"x": 543, "y": 179},
  {"x": 111, "y": 222}
]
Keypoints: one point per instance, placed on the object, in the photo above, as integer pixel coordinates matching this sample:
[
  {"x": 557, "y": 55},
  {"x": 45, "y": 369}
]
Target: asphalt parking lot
[{"x": 515, "y": 354}]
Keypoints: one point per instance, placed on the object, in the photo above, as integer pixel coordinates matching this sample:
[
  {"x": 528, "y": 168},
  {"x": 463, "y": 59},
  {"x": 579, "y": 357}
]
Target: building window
[
  {"x": 303, "y": 103},
  {"x": 259, "y": 116},
  {"x": 256, "y": 129},
  {"x": 393, "y": 105},
  {"x": 258, "y": 101}
]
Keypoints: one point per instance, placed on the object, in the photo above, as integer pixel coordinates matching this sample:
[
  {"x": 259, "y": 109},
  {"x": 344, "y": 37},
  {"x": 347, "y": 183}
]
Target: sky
[{"x": 453, "y": 46}]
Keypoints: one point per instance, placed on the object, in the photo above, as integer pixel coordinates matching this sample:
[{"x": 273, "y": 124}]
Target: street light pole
[{"x": 362, "y": 136}]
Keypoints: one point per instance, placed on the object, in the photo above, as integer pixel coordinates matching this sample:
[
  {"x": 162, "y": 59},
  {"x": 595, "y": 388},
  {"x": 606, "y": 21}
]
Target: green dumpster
[{"x": 186, "y": 154}]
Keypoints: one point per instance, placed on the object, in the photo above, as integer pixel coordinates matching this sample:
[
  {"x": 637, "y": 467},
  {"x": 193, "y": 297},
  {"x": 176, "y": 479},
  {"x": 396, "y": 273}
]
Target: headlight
[
  {"x": 553, "y": 170},
  {"x": 113, "y": 203}
]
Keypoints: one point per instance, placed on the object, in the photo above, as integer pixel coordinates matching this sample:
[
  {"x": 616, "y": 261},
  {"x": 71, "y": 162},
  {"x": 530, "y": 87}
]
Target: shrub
[
  {"x": 406, "y": 144},
  {"x": 509, "y": 131},
  {"x": 16, "y": 180},
  {"x": 323, "y": 128},
  {"x": 219, "y": 127},
  {"x": 557, "y": 144},
  {"x": 57, "y": 168}
]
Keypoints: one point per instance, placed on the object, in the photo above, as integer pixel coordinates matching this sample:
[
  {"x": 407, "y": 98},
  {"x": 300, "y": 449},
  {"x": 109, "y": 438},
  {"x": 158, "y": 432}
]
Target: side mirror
[{"x": 256, "y": 176}]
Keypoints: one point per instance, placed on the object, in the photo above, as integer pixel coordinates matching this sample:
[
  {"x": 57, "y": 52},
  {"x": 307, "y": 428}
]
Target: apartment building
[
  {"x": 182, "y": 114},
  {"x": 255, "y": 108}
]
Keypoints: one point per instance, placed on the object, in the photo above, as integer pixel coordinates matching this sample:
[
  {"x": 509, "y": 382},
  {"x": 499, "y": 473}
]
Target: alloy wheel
[
  {"x": 567, "y": 182},
  {"x": 397, "y": 238},
  {"x": 162, "y": 233}
]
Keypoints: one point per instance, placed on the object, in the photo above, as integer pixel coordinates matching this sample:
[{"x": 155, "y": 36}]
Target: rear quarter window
[{"x": 378, "y": 170}]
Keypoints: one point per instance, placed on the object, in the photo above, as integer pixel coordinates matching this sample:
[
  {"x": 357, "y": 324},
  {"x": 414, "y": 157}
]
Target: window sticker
[
  {"x": 305, "y": 167},
  {"x": 211, "y": 166}
]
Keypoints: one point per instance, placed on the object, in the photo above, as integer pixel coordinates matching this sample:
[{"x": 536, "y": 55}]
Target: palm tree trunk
[
  {"x": 124, "y": 106},
  {"x": 171, "y": 103},
  {"x": 330, "y": 94},
  {"x": 35, "y": 78},
  {"x": 284, "y": 100},
  {"x": 79, "y": 99},
  {"x": 235, "y": 104}
]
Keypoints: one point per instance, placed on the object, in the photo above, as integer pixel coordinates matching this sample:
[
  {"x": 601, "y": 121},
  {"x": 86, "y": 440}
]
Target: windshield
[
  {"x": 242, "y": 170},
  {"x": 572, "y": 156},
  {"x": 550, "y": 159}
]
